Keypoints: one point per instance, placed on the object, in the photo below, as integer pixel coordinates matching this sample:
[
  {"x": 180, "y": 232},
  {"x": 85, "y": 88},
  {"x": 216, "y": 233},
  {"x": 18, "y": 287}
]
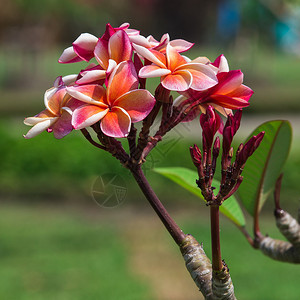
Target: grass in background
[{"x": 47, "y": 254}]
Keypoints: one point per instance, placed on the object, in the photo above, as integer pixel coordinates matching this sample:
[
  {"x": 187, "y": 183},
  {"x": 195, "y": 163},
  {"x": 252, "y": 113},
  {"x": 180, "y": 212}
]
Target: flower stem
[
  {"x": 174, "y": 230},
  {"x": 215, "y": 238}
]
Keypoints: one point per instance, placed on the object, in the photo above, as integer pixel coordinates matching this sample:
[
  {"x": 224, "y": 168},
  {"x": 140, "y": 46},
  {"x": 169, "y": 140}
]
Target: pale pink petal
[
  {"x": 84, "y": 46},
  {"x": 181, "y": 45},
  {"x": 228, "y": 102},
  {"x": 161, "y": 46},
  {"x": 228, "y": 82},
  {"x": 153, "y": 71},
  {"x": 101, "y": 53},
  {"x": 203, "y": 76},
  {"x": 122, "y": 80},
  {"x": 58, "y": 81},
  {"x": 119, "y": 47},
  {"x": 179, "y": 100},
  {"x": 87, "y": 115},
  {"x": 224, "y": 111},
  {"x": 63, "y": 125},
  {"x": 91, "y": 76},
  {"x": 69, "y": 79},
  {"x": 40, "y": 127},
  {"x": 69, "y": 56},
  {"x": 137, "y": 103},
  {"x": 180, "y": 81},
  {"x": 152, "y": 55},
  {"x": 201, "y": 59},
  {"x": 43, "y": 115},
  {"x": 111, "y": 66},
  {"x": 140, "y": 40},
  {"x": 116, "y": 123},
  {"x": 221, "y": 63},
  {"x": 91, "y": 93},
  {"x": 174, "y": 59}
]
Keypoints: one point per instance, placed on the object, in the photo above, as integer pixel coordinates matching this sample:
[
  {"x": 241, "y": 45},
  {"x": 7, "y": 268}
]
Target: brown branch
[{"x": 174, "y": 230}]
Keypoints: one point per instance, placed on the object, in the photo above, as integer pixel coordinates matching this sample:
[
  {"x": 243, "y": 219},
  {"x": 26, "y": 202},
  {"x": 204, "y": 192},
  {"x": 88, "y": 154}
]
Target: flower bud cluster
[{"x": 205, "y": 161}]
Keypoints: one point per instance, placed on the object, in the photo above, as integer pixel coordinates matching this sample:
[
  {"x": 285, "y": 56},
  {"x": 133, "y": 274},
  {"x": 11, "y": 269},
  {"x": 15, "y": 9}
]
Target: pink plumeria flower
[
  {"x": 176, "y": 74},
  {"x": 229, "y": 94},
  {"x": 83, "y": 47},
  {"x": 56, "y": 117},
  {"x": 151, "y": 43},
  {"x": 108, "y": 53},
  {"x": 117, "y": 107}
]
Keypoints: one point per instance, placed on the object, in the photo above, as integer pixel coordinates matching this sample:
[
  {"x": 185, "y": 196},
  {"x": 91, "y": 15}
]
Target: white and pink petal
[
  {"x": 84, "y": 46},
  {"x": 153, "y": 71},
  {"x": 90, "y": 93},
  {"x": 87, "y": 115}
]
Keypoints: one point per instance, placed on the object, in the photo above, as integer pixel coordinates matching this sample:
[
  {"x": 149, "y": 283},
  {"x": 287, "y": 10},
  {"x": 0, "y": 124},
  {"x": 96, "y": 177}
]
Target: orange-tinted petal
[
  {"x": 174, "y": 59},
  {"x": 53, "y": 99},
  {"x": 137, "y": 103},
  {"x": 116, "y": 123},
  {"x": 122, "y": 80}
]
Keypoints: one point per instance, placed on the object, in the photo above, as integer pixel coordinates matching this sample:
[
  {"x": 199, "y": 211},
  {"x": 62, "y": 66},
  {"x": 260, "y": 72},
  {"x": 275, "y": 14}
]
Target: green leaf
[
  {"x": 264, "y": 166},
  {"x": 187, "y": 179}
]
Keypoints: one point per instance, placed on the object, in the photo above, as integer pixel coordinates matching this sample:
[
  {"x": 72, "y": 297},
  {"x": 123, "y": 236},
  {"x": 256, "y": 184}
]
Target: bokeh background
[{"x": 56, "y": 241}]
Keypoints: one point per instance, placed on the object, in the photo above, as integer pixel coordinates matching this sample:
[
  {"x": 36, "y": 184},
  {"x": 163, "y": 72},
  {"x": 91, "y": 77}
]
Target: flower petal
[
  {"x": 40, "y": 127},
  {"x": 53, "y": 99},
  {"x": 181, "y": 45},
  {"x": 203, "y": 76},
  {"x": 229, "y": 81},
  {"x": 63, "y": 125},
  {"x": 174, "y": 59},
  {"x": 87, "y": 115},
  {"x": 137, "y": 103},
  {"x": 179, "y": 81},
  {"x": 221, "y": 63},
  {"x": 242, "y": 92},
  {"x": 153, "y": 71},
  {"x": 84, "y": 46},
  {"x": 152, "y": 55},
  {"x": 101, "y": 53},
  {"x": 91, "y": 76},
  {"x": 228, "y": 102},
  {"x": 116, "y": 123},
  {"x": 69, "y": 56},
  {"x": 91, "y": 93},
  {"x": 119, "y": 47},
  {"x": 122, "y": 80},
  {"x": 140, "y": 40}
]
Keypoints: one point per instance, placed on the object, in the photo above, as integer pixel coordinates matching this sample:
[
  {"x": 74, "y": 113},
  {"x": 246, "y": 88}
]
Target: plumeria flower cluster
[
  {"x": 205, "y": 161},
  {"x": 111, "y": 90}
]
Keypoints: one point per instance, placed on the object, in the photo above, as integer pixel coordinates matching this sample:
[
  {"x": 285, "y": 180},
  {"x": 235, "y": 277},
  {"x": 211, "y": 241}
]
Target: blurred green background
[{"x": 56, "y": 242}]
